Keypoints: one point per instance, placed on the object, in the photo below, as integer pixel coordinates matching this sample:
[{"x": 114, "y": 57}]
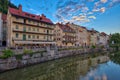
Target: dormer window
[
  {"x": 40, "y": 18},
  {"x": 33, "y": 16},
  {"x": 27, "y": 15}
]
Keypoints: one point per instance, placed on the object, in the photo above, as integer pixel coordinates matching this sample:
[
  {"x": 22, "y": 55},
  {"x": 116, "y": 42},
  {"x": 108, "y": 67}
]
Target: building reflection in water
[{"x": 72, "y": 68}]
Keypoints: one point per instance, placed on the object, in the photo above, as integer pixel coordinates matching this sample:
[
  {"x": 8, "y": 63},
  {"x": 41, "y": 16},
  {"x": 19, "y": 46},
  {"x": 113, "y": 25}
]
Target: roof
[
  {"x": 66, "y": 28},
  {"x": 104, "y": 34},
  {"x": 19, "y": 12}
]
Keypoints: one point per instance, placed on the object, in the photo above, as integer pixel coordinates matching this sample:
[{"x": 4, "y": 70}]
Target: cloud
[
  {"x": 84, "y": 9},
  {"x": 103, "y": 1},
  {"x": 92, "y": 17},
  {"x": 90, "y": 12},
  {"x": 81, "y": 18},
  {"x": 96, "y": 10},
  {"x": 102, "y": 9}
]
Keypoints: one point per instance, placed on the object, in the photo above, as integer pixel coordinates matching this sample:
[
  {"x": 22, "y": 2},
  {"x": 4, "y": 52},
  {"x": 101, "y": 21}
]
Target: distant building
[
  {"x": 25, "y": 29},
  {"x": 64, "y": 35},
  {"x": 94, "y": 37},
  {"x": 82, "y": 36},
  {"x": 103, "y": 39}
]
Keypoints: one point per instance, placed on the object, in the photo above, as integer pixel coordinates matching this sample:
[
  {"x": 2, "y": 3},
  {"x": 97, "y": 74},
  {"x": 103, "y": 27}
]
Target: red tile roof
[
  {"x": 65, "y": 28},
  {"x": 19, "y": 12},
  {"x": 104, "y": 34}
]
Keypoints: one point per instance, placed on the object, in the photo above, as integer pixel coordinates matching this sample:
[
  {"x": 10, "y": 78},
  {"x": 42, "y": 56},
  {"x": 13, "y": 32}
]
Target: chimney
[
  {"x": 43, "y": 16},
  {"x": 20, "y": 8}
]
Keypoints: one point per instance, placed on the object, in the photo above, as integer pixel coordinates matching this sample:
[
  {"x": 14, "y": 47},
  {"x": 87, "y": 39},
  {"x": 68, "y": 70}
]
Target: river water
[{"x": 70, "y": 68}]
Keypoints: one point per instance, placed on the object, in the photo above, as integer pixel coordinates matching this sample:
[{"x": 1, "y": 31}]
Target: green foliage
[
  {"x": 115, "y": 57},
  {"x": 116, "y": 38},
  {"x": 7, "y": 53},
  {"x": 26, "y": 51},
  {"x": 4, "y": 6},
  {"x": 19, "y": 56},
  {"x": 93, "y": 46},
  {"x": 101, "y": 47}
]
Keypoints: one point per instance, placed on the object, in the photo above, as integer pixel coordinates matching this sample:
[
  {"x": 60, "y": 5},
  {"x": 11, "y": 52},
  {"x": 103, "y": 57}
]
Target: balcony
[
  {"x": 33, "y": 25},
  {"x": 69, "y": 36},
  {"x": 31, "y": 32},
  {"x": 69, "y": 41}
]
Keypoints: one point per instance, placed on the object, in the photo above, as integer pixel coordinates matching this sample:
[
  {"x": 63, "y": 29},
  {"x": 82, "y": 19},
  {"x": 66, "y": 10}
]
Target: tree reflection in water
[
  {"x": 115, "y": 57},
  {"x": 71, "y": 68}
]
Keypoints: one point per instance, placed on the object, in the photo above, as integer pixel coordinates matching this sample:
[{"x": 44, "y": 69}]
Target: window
[
  {"x": 24, "y": 20},
  {"x": 29, "y": 21},
  {"x": 44, "y": 37},
  {"x": 37, "y": 37},
  {"x": 33, "y": 36},
  {"x": 17, "y": 27},
  {"x": 44, "y": 30},
  {"x": 38, "y": 29},
  {"x": 33, "y": 22},
  {"x": 17, "y": 35},
  {"x": 33, "y": 29},
  {"x": 29, "y": 28},
  {"x": 50, "y": 37},
  {"x": 17, "y": 18},
  {"x": 29, "y": 36},
  {"x": 24, "y": 28}
]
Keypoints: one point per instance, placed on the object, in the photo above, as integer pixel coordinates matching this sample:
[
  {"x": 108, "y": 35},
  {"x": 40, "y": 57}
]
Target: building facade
[
  {"x": 103, "y": 39},
  {"x": 64, "y": 35},
  {"x": 1, "y": 21},
  {"x": 94, "y": 37},
  {"x": 4, "y": 30},
  {"x": 82, "y": 36},
  {"x": 25, "y": 29}
]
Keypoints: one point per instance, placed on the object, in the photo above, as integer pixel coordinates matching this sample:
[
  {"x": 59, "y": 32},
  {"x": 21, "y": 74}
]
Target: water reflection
[{"x": 72, "y": 68}]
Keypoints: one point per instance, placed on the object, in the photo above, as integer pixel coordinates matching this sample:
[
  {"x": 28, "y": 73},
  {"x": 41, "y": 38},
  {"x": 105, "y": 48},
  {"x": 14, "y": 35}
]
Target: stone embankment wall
[{"x": 26, "y": 60}]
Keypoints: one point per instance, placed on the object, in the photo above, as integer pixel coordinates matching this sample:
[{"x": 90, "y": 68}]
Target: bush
[
  {"x": 7, "y": 53},
  {"x": 93, "y": 46},
  {"x": 26, "y": 51}
]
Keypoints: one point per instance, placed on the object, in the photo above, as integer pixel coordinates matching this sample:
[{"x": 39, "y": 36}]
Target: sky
[{"x": 102, "y": 15}]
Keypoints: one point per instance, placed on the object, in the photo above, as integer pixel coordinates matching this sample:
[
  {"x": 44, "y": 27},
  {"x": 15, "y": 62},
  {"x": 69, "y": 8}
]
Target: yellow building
[
  {"x": 28, "y": 29},
  {"x": 94, "y": 37},
  {"x": 64, "y": 35}
]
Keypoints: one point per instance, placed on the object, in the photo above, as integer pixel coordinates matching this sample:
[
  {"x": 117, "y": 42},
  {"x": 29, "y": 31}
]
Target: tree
[
  {"x": 115, "y": 40},
  {"x": 4, "y": 6}
]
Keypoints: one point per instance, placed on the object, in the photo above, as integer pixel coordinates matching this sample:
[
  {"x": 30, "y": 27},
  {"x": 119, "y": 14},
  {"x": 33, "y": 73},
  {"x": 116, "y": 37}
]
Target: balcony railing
[
  {"x": 33, "y": 25},
  {"x": 31, "y": 32}
]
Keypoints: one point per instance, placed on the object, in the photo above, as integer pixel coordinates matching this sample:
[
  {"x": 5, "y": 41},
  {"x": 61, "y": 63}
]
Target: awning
[{"x": 31, "y": 42}]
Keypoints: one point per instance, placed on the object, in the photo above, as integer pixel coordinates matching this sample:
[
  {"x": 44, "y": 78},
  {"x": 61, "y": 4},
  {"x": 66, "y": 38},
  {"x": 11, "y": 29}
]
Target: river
[{"x": 70, "y": 68}]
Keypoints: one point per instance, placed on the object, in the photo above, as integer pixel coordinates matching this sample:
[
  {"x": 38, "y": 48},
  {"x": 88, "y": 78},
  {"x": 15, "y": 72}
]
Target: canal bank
[
  {"x": 19, "y": 61},
  {"x": 69, "y": 68}
]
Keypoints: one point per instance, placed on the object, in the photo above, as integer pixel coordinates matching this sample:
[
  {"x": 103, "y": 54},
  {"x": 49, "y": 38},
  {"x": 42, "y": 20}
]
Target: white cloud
[
  {"x": 102, "y": 9},
  {"x": 96, "y": 10},
  {"x": 92, "y": 17},
  {"x": 81, "y": 18},
  {"x": 103, "y": 1},
  {"x": 90, "y": 12},
  {"x": 85, "y": 9}
]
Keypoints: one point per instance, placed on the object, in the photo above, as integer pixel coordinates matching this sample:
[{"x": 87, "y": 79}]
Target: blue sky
[{"x": 102, "y": 15}]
